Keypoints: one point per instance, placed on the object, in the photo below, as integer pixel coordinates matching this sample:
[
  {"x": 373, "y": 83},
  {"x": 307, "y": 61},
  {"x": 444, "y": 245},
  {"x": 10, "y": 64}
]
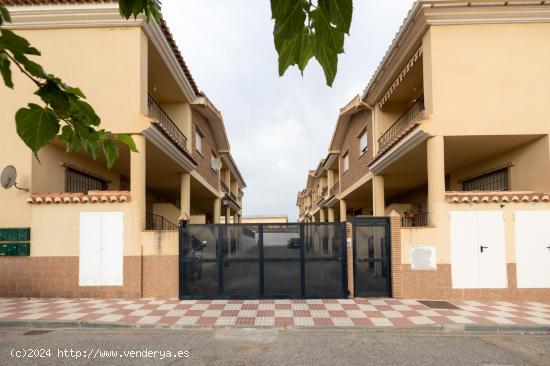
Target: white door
[
  {"x": 112, "y": 226},
  {"x": 90, "y": 249},
  {"x": 532, "y": 229},
  {"x": 478, "y": 249},
  {"x": 491, "y": 250},
  {"x": 101, "y": 249},
  {"x": 464, "y": 250}
]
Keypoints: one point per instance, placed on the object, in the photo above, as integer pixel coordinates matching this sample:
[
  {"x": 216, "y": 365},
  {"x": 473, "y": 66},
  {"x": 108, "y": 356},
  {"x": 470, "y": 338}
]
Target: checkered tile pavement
[{"x": 278, "y": 313}]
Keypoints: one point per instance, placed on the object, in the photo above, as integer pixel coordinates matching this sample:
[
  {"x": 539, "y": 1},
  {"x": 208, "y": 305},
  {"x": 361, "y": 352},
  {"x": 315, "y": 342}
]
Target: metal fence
[
  {"x": 402, "y": 122},
  {"x": 158, "y": 222},
  {"x": 263, "y": 260}
]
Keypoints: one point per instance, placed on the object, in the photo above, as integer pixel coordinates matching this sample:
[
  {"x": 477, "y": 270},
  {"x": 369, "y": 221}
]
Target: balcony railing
[
  {"x": 157, "y": 222},
  {"x": 402, "y": 122},
  {"x": 335, "y": 188},
  {"x": 156, "y": 111},
  {"x": 419, "y": 219},
  {"x": 225, "y": 188}
]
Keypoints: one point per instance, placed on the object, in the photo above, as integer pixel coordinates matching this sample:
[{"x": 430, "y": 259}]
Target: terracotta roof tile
[
  {"x": 496, "y": 197},
  {"x": 163, "y": 26},
  {"x": 91, "y": 197}
]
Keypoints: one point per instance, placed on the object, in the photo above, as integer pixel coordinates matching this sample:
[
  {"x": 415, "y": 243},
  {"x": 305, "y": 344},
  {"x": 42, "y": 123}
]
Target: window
[
  {"x": 363, "y": 142},
  {"x": 198, "y": 141},
  {"x": 345, "y": 162},
  {"x": 498, "y": 180},
  {"x": 77, "y": 181}
]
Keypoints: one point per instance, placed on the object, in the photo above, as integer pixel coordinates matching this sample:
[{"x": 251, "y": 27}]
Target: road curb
[{"x": 438, "y": 328}]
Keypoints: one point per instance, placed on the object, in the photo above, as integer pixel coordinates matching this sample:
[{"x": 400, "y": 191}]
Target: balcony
[
  {"x": 417, "y": 219},
  {"x": 225, "y": 188},
  {"x": 404, "y": 121},
  {"x": 335, "y": 188},
  {"x": 166, "y": 123}
]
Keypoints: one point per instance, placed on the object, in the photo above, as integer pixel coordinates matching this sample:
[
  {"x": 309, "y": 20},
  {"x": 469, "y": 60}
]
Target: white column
[
  {"x": 217, "y": 210},
  {"x": 138, "y": 174},
  {"x": 436, "y": 178},
  {"x": 330, "y": 214},
  {"x": 185, "y": 194},
  {"x": 378, "y": 199},
  {"x": 343, "y": 211}
]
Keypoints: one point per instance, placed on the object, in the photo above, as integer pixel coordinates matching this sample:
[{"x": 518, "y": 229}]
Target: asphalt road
[{"x": 240, "y": 346}]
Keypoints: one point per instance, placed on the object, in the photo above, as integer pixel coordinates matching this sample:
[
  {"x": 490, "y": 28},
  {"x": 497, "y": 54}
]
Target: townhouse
[
  {"x": 451, "y": 134},
  {"x": 98, "y": 232}
]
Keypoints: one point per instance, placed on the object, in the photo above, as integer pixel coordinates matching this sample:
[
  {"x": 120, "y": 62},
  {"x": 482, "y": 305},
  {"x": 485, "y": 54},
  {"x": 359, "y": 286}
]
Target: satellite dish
[
  {"x": 9, "y": 177},
  {"x": 216, "y": 164}
]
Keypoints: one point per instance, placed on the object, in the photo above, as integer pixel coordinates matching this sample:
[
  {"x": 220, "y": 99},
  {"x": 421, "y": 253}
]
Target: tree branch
[{"x": 36, "y": 81}]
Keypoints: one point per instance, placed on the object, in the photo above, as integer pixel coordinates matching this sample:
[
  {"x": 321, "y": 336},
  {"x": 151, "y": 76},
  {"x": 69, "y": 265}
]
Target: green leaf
[
  {"x": 151, "y": 8},
  {"x": 128, "y": 141},
  {"x": 325, "y": 34},
  {"x": 289, "y": 18},
  {"x": 4, "y": 15},
  {"x": 295, "y": 51},
  {"x": 72, "y": 90},
  {"x": 36, "y": 126},
  {"x": 329, "y": 62},
  {"x": 30, "y": 66},
  {"x": 16, "y": 44},
  {"x": 53, "y": 95},
  {"x": 5, "y": 70},
  {"x": 339, "y": 11},
  {"x": 69, "y": 137},
  {"x": 85, "y": 111},
  {"x": 110, "y": 150}
]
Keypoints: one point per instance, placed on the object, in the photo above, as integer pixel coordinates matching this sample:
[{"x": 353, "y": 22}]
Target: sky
[{"x": 278, "y": 127}]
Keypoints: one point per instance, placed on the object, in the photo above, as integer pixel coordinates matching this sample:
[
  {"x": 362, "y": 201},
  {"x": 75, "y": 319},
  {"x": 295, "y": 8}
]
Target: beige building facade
[
  {"x": 137, "y": 81},
  {"x": 452, "y": 135}
]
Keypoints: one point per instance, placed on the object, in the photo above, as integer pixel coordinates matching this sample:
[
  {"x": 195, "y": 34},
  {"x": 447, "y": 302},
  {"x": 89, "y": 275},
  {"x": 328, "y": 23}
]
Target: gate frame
[
  {"x": 386, "y": 220},
  {"x": 261, "y": 260}
]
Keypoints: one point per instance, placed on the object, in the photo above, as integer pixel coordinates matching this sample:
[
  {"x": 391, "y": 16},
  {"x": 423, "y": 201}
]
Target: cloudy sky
[{"x": 278, "y": 127}]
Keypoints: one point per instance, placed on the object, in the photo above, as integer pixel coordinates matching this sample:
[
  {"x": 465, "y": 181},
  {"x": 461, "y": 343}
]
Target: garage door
[
  {"x": 532, "y": 229},
  {"x": 478, "y": 253}
]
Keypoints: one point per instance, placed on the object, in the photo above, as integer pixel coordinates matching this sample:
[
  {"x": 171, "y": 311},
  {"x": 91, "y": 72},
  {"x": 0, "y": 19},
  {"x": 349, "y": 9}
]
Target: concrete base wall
[
  {"x": 58, "y": 277},
  {"x": 437, "y": 285},
  {"x": 160, "y": 276}
]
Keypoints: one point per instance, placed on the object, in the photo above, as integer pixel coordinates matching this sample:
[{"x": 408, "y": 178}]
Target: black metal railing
[
  {"x": 158, "y": 222},
  {"x": 402, "y": 122},
  {"x": 225, "y": 188},
  {"x": 419, "y": 219},
  {"x": 156, "y": 111},
  {"x": 334, "y": 189}
]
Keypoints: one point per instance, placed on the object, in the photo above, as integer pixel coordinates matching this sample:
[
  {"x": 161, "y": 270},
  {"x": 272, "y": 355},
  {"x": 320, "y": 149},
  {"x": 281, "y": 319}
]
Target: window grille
[
  {"x": 498, "y": 180},
  {"x": 77, "y": 181}
]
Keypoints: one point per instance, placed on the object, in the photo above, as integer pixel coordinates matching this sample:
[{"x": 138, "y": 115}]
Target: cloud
[{"x": 278, "y": 128}]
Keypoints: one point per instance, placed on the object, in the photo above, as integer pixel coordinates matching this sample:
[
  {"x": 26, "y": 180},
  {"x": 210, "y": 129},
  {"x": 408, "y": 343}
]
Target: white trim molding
[
  {"x": 99, "y": 15},
  {"x": 157, "y": 138},
  {"x": 409, "y": 142}
]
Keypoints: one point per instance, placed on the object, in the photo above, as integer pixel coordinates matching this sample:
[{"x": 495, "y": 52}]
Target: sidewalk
[{"x": 358, "y": 312}]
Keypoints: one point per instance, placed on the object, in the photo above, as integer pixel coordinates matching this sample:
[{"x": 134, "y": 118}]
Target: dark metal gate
[
  {"x": 263, "y": 260},
  {"x": 372, "y": 257}
]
